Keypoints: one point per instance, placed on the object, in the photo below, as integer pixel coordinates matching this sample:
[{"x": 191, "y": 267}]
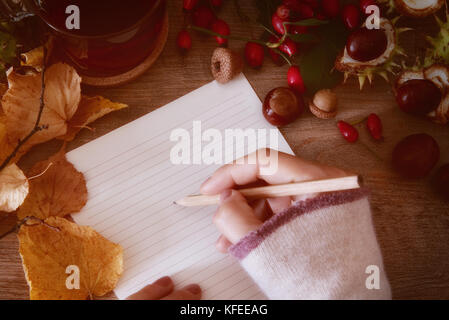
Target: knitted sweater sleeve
[{"x": 321, "y": 248}]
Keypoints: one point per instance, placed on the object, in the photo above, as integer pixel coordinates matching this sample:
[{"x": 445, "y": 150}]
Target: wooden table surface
[{"x": 412, "y": 223}]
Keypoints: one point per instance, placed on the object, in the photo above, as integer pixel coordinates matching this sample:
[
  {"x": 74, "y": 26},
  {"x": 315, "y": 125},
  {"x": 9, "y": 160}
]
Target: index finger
[{"x": 253, "y": 167}]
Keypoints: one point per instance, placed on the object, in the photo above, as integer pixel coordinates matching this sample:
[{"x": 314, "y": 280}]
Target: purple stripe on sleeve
[{"x": 251, "y": 241}]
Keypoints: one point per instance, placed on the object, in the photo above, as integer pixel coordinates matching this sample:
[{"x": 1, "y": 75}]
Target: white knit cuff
[{"x": 320, "y": 248}]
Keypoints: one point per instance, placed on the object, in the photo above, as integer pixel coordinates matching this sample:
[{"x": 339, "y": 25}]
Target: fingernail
[
  {"x": 225, "y": 195},
  {"x": 164, "y": 282},
  {"x": 193, "y": 288}
]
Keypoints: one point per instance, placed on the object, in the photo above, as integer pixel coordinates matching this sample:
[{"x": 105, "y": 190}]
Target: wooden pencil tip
[{"x": 360, "y": 180}]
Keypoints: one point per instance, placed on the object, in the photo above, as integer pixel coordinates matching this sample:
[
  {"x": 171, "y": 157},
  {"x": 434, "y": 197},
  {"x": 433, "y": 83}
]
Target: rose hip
[
  {"x": 374, "y": 125},
  {"x": 305, "y": 11},
  {"x": 184, "y": 40},
  {"x": 283, "y": 12},
  {"x": 292, "y": 4},
  {"x": 289, "y": 47},
  {"x": 254, "y": 54},
  {"x": 278, "y": 25},
  {"x": 216, "y": 3},
  {"x": 221, "y": 27},
  {"x": 203, "y": 17},
  {"x": 312, "y": 3},
  {"x": 365, "y": 4},
  {"x": 348, "y": 131},
  {"x": 351, "y": 16},
  {"x": 295, "y": 80},
  {"x": 331, "y": 8},
  {"x": 189, "y": 4}
]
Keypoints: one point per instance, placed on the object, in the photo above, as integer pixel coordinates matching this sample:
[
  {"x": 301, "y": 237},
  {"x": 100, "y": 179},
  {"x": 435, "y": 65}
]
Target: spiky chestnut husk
[
  {"x": 382, "y": 65},
  {"x": 439, "y": 53},
  {"x": 413, "y": 8},
  {"x": 439, "y": 75}
]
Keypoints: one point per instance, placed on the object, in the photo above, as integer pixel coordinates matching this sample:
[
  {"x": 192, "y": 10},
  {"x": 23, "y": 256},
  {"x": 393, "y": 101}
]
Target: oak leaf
[
  {"x": 58, "y": 189},
  {"x": 14, "y": 187},
  {"x": 21, "y": 103},
  {"x": 89, "y": 110},
  {"x": 48, "y": 247}
]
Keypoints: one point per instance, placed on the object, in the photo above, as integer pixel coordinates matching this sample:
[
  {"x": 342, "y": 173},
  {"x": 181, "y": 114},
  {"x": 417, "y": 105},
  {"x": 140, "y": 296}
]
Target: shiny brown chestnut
[
  {"x": 365, "y": 45},
  {"x": 282, "y": 106},
  {"x": 416, "y": 155},
  {"x": 418, "y": 96}
]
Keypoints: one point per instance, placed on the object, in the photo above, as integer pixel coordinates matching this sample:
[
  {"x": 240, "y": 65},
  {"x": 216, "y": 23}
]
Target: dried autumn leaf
[
  {"x": 33, "y": 58},
  {"x": 14, "y": 188},
  {"x": 59, "y": 191},
  {"x": 48, "y": 248},
  {"x": 21, "y": 103},
  {"x": 5, "y": 147},
  {"x": 89, "y": 110}
]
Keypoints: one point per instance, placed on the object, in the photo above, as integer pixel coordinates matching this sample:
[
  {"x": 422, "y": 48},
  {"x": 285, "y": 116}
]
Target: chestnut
[
  {"x": 418, "y": 96},
  {"x": 366, "y": 45},
  {"x": 416, "y": 155},
  {"x": 282, "y": 106},
  {"x": 441, "y": 181}
]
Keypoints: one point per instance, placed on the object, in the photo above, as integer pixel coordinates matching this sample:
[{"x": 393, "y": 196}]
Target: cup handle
[{"x": 14, "y": 10}]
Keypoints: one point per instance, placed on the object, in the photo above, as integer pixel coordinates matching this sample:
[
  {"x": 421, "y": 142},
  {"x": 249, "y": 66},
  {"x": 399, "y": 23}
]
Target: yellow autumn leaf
[
  {"x": 48, "y": 248},
  {"x": 58, "y": 189},
  {"x": 89, "y": 110},
  {"x": 14, "y": 188},
  {"x": 21, "y": 103}
]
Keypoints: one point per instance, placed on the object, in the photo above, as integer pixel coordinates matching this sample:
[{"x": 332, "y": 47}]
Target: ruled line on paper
[
  {"x": 166, "y": 135},
  {"x": 172, "y": 193},
  {"x": 136, "y": 146},
  {"x": 132, "y": 185},
  {"x": 139, "y": 172}
]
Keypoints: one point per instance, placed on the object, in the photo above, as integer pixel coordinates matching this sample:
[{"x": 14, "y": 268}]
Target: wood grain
[{"x": 412, "y": 223}]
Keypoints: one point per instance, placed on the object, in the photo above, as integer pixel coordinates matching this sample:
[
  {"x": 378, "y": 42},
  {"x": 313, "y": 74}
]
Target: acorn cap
[
  {"x": 225, "y": 64},
  {"x": 317, "y": 112}
]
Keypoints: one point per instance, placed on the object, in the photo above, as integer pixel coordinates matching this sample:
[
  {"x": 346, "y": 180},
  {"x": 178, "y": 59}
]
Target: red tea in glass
[{"x": 114, "y": 35}]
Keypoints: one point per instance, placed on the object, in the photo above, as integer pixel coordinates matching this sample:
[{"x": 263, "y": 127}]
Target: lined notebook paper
[{"x": 132, "y": 185}]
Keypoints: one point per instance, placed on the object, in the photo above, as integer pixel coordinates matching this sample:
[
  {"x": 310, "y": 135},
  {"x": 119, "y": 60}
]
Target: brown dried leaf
[
  {"x": 89, "y": 110},
  {"x": 14, "y": 188},
  {"x": 21, "y": 103},
  {"x": 33, "y": 58},
  {"x": 59, "y": 191},
  {"x": 48, "y": 248}
]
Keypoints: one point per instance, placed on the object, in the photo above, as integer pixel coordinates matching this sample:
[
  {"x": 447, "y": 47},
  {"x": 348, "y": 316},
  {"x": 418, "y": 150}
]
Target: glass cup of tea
[{"x": 104, "y": 38}]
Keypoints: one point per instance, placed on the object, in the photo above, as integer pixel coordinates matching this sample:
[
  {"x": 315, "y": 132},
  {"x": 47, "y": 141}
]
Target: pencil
[{"x": 280, "y": 190}]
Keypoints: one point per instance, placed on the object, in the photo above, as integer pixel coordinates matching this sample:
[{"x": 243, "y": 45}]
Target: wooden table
[{"x": 412, "y": 223}]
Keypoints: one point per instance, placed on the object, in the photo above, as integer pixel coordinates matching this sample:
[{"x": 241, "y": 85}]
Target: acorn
[
  {"x": 324, "y": 104},
  {"x": 225, "y": 64}
]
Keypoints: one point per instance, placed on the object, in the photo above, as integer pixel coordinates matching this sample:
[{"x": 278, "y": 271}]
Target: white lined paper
[{"x": 132, "y": 185}]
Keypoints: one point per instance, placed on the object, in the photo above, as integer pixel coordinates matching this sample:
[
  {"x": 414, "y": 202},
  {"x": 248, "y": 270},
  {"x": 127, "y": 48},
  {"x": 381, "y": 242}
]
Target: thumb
[{"x": 235, "y": 218}]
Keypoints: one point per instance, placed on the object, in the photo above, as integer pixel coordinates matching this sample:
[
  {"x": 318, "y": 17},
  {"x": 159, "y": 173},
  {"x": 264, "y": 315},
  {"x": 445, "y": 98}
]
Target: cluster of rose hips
[
  {"x": 203, "y": 15},
  {"x": 373, "y": 124},
  {"x": 281, "y": 45}
]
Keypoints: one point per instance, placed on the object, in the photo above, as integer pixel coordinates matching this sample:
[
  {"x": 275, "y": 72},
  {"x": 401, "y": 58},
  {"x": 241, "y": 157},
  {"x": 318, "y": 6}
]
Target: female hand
[
  {"x": 163, "y": 289},
  {"x": 235, "y": 217}
]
